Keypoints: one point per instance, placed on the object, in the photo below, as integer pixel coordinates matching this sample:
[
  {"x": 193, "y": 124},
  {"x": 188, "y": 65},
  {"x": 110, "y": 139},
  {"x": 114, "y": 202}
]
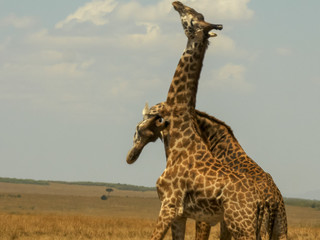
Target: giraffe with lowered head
[
  {"x": 223, "y": 145},
  {"x": 194, "y": 183}
]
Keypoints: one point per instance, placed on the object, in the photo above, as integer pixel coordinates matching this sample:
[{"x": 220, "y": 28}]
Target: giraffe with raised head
[{"x": 194, "y": 183}]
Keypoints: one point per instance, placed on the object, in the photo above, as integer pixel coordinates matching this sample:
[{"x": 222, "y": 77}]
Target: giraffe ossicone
[{"x": 145, "y": 111}]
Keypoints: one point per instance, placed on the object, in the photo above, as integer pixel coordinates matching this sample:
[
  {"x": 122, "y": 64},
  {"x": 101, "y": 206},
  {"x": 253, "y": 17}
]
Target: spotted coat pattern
[{"x": 195, "y": 184}]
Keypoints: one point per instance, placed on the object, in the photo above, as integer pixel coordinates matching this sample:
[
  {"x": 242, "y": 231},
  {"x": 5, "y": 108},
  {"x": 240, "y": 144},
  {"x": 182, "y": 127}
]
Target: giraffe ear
[{"x": 145, "y": 111}]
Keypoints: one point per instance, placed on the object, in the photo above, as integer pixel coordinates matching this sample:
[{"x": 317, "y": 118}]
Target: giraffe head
[
  {"x": 148, "y": 130},
  {"x": 193, "y": 22}
]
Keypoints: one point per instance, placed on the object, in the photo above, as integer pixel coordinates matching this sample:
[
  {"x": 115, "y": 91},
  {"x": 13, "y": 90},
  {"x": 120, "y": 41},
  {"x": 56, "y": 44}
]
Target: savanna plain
[{"x": 68, "y": 211}]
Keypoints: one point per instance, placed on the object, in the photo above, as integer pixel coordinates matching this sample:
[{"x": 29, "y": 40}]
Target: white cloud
[
  {"x": 52, "y": 86},
  {"x": 94, "y": 12},
  {"x": 153, "y": 16},
  {"x": 223, "y": 9},
  {"x": 134, "y": 10},
  {"x": 284, "y": 51},
  {"x": 222, "y": 44},
  {"x": 230, "y": 76},
  {"x": 72, "y": 41},
  {"x": 5, "y": 43},
  {"x": 17, "y": 22},
  {"x": 151, "y": 36},
  {"x": 67, "y": 69},
  {"x": 58, "y": 67}
]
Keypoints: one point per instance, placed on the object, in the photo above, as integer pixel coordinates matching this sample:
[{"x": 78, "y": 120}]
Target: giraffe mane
[{"x": 214, "y": 119}]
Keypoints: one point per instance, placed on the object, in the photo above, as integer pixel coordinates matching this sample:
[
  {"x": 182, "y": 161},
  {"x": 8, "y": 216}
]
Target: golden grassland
[{"x": 62, "y": 211}]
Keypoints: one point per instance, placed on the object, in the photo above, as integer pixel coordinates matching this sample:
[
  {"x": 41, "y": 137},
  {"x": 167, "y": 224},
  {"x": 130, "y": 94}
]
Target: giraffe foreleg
[
  {"x": 178, "y": 228},
  {"x": 224, "y": 232},
  {"x": 166, "y": 217},
  {"x": 202, "y": 231}
]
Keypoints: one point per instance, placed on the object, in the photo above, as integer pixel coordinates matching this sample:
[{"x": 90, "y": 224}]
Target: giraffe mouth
[
  {"x": 207, "y": 27},
  {"x": 217, "y": 27}
]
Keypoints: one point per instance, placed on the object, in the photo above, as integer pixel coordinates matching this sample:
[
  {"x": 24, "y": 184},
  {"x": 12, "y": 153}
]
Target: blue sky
[{"x": 74, "y": 77}]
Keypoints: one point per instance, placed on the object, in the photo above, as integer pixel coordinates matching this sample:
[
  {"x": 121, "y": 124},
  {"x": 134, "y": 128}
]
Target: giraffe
[
  {"x": 220, "y": 141},
  {"x": 224, "y": 145},
  {"x": 194, "y": 183}
]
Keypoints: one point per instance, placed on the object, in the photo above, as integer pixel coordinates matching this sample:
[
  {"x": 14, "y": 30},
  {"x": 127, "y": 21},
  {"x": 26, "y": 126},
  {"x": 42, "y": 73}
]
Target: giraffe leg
[
  {"x": 178, "y": 228},
  {"x": 245, "y": 238},
  {"x": 202, "y": 231},
  {"x": 279, "y": 230},
  {"x": 224, "y": 232},
  {"x": 165, "y": 219}
]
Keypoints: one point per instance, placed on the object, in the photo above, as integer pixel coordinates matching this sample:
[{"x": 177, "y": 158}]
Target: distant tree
[
  {"x": 104, "y": 197},
  {"x": 109, "y": 190}
]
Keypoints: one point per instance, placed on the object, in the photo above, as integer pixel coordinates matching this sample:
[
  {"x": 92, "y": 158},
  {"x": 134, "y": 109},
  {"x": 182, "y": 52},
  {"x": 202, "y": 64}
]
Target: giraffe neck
[
  {"x": 184, "y": 85},
  {"x": 183, "y": 132}
]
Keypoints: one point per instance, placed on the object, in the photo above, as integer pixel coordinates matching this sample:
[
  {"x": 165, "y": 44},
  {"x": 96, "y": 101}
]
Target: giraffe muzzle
[
  {"x": 178, "y": 6},
  {"x": 134, "y": 153}
]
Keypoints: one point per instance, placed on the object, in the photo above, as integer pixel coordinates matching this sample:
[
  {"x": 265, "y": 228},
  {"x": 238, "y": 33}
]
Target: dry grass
[
  {"x": 76, "y": 212},
  {"x": 72, "y": 227},
  {"x": 79, "y": 227},
  {"x": 304, "y": 233}
]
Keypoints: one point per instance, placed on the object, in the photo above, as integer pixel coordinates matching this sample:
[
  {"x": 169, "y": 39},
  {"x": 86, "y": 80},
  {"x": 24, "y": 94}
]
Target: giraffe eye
[
  {"x": 191, "y": 23},
  {"x": 159, "y": 118}
]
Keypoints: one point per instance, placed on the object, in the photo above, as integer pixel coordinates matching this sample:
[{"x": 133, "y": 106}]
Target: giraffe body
[
  {"x": 199, "y": 186},
  {"x": 223, "y": 145}
]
